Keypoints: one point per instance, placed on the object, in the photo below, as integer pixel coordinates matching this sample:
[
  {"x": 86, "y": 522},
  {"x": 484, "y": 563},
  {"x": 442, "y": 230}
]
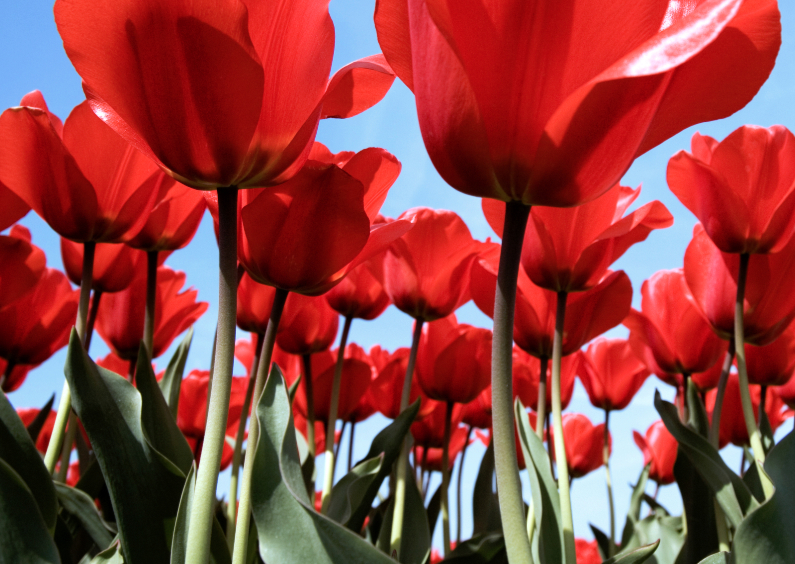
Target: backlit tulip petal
[
  {"x": 308, "y": 325},
  {"x": 611, "y": 373},
  {"x": 659, "y": 449},
  {"x": 116, "y": 266}
]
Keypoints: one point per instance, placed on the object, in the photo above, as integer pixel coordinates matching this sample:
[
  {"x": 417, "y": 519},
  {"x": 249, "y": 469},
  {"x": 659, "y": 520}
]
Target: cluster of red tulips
[{"x": 538, "y": 108}]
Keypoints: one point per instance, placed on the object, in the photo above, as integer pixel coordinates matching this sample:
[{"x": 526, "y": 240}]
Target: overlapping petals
[
  {"x": 659, "y": 449},
  {"x": 22, "y": 264},
  {"x": 308, "y": 325},
  {"x": 611, "y": 373},
  {"x": 772, "y": 364},
  {"x": 254, "y": 302},
  {"x": 116, "y": 266},
  {"x": 527, "y": 375},
  {"x": 584, "y": 444},
  {"x": 361, "y": 293},
  {"x": 388, "y": 385}
]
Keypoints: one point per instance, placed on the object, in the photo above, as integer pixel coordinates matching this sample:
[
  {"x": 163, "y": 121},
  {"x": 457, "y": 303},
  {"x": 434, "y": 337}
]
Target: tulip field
[{"x": 415, "y": 281}]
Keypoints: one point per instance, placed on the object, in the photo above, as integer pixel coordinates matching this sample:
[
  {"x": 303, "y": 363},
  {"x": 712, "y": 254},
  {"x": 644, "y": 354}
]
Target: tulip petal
[
  {"x": 357, "y": 86},
  {"x": 377, "y": 170},
  {"x": 394, "y": 36}
]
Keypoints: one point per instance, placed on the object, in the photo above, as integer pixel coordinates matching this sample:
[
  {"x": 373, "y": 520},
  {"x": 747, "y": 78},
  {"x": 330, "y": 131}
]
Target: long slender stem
[
  {"x": 328, "y": 474},
  {"x": 151, "y": 295},
  {"x": 338, "y": 446},
  {"x": 762, "y": 404},
  {"x": 201, "y": 519},
  {"x": 92, "y": 316},
  {"x": 541, "y": 409},
  {"x": 131, "y": 370},
  {"x": 714, "y": 429},
  {"x": 237, "y": 455},
  {"x": 606, "y": 461},
  {"x": 458, "y": 486},
  {"x": 509, "y": 484},
  {"x": 350, "y": 446},
  {"x": 403, "y": 459},
  {"x": 244, "y": 509},
  {"x": 446, "y": 478},
  {"x": 310, "y": 404},
  {"x": 212, "y": 372},
  {"x": 557, "y": 422},
  {"x": 65, "y": 405}
]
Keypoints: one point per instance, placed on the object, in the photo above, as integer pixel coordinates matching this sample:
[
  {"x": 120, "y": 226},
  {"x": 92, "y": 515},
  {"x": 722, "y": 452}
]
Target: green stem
[
  {"x": 350, "y": 446},
  {"x": 560, "y": 446},
  {"x": 201, "y": 518},
  {"x": 339, "y": 444},
  {"x": 151, "y": 295},
  {"x": 310, "y": 404},
  {"x": 237, "y": 455},
  {"x": 212, "y": 372},
  {"x": 509, "y": 484},
  {"x": 762, "y": 404},
  {"x": 541, "y": 410},
  {"x": 328, "y": 474},
  {"x": 606, "y": 461},
  {"x": 263, "y": 367},
  {"x": 446, "y": 478},
  {"x": 92, "y": 316},
  {"x": 458, "y": 486},
  {"x": 65, "y": 406},
  {"x": 403, "y": 459},
  {"x": 714, "y": 429}
]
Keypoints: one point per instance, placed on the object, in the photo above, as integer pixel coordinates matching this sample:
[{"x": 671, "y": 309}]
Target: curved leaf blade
[
  {"x": 77, "y": 503},
  {"x": 172, "y": 379}
]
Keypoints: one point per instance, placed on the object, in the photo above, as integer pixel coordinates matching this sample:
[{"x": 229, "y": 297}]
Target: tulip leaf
[
  {"x": 144, "y": 486},
  {"x": 24, "y": 535},
  {"x": 751, "y": 479},
  {"x": 77, "y": 503},
  {"x": 290, "y": 530},
  {"x": 433, "y": 509},
  {"x": 111, "y": 555},
  {"x": 347, "y": 494},
  {"x": 293, "y": 389},
  {"x": 698, "y": 418},
  {"x": 635, "y": 503},
  {"x": 172, "y": 379},
  {"x": 699, "y": 511},
  {"x": 657, "y": 527},
  {"x": 546, "y": 500},
  {"x": 601, "y": 538},
  {"x": 219, "y": 551},
  {"x": 19, "y": 452},
  {"x": 766, "y": 534},
  {"x": 731, "y": 492},
  {"x": 35, "y": 426},
  {"x": 637, "y": 556},
  {"x": 480, "y": 549},
  {"x": 415, "y": 543},
  {"x": 485, "y": 507},
  {"x": 387, "y": 443},
  {"x": 717, "y": 558}
]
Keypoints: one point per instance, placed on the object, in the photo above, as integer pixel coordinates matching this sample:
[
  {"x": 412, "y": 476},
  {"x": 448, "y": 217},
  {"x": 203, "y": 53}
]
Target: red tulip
[
  {"x": 192, "y": 412},
  {"x": 12, "y": 208},
  {"x": 769, "y": 302},
  {"x": 37, "y": 324},
  {"x": 706, "y": 380},
  {"x": 120, "y": 317},
  {"x": 551, "y": 105},
  {"x": 587, "y": 552},
  {"x": 388, "y": 385},
  {"x": 741, "y": 189},
  {"x": 361, "y": 293},
  {"x": 786, "y": 393},
  {"x": 119, "y": 366},
  {"x": 570, "y": 249},
  {"x": 659, "y": 449},
  {"x": 308, "y": 325},
  {"x": 669, "y": 333},
  {"x": 245, "y": 351},
  {"x": 584, "y": 444},
  {"x": 773, "y": 364},
  {"x": 27, "y": 415},
  {"x": 426, "y": 272},
  {"x": 477, "y": 413},
  {"x": 432, "y": 459},
  {"x": 453, "y": 360},
  {"x": 174, "y": 220},
  {"x": 22, "y": 264},
  {"x": 116, "y": 266},
  {"x": 89, "y": 185},
  {"x": 611, "y": 373},
  {"x": 588, "y": 314},
  {"x": 429, "y": 431},
  {"x": 308, "y": 233},
  {"x": 526, "y": 378},
  {"x": 219, "y": 95},
  {"x": 254, "y": 301}
]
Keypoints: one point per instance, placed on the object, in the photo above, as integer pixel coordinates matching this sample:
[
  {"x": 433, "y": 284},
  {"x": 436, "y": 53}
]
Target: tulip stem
[
  {"x": 350, "y": 445},
  {"x": 560, "y": 446},
  {"x": 310, "y": 404},
  {"x": 263, "y": 367},
  {"x": 201, "y": 519},
  {"x": 541, "y": 411},
  {"x": 237, "y": 455},
  {"x": 745, "y": 392},
  {"x": 151, "y": 294},
  {"x": 606, "y": 460},
  {"x": 328, "y": 474},
  {"x": 506, "y": 466},
  {"x": 92, "y": 316},
  {"x": 714, "y": 429},
  {"x": 212, "y": 371},
  {"x": 448, "y": 418},
  {"x": 403, "y": 460},
  {"x": 65, "y": 405},
  {"x": 458, "y": 485}
]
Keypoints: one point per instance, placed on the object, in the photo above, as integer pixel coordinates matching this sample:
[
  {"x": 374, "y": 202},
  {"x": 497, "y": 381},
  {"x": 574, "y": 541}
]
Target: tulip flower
[
  {"x": 527, "y": 379},
  {"x": 120, "y": 316},
  {"x": 361, "y": 293},
  {"x": 705, "y": 380},
  {"x": 387, "y": 386},
  {"x": 773, "y": 364},
  {"x": 22, "y": 264},
  {"x": 254, "y": 301},
  {"x": 611, "y": 373},
  {"x": 585, "y": 442},
  {"x": 308, "y": 325},
  {"x": 119, "y": 366},
  {"x": 659, "y": 449},
  {"x": 430, "y": 459},
  {"x": 587, "y": 552},
  {"x": 741, "y": 189},
  {"x": 477, "y": 413},
  {"x": 27, "y": 415},
  {"x": 429, "y": 431},
  {"x": 12, "y": 208},
  {"x": 787, "y": 393},
  {"x": 116, "y": 266}
]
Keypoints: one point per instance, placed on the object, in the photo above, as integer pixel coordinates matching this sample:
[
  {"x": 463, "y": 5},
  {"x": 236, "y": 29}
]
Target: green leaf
[
  {"x": 35, "y": 426},
  {"x": 19, "y": 452},
  {"x": 485, "y": 507},
  {"x": 415, "y": 543},
  {"x": 546, "y": 500},
  {"x": 24, "y": 535},
  {"x": 768, "y": 440},
  {"x": 480, "y": 549},
  {"x": 347, "y": 494},
  {"x": 289, "y": 529},
  {"x": 731, "y": 492},
  {"x": 635, "y": 503},
  {"x": 602, "y": 540},
  {"x": 766, "y": 535},
  {"x": 294, "y": 388},
  {"x": 667, "y": 530},
  {"x": 698, "y": 418},
  {"x": 699, "y": 511},
  {"x": 751, "y": 479},
  {"x": 144, "y": 487},
  {"x": 172, "y": 379},
  {"x": 77, "y": 503},
  {"x": 718, "y": 558},
  {"x": 111, "y": 555},
  {"x": 655, "y": 505},
  {"x": 636, "y": 556},
  {"x": 219, "y": 550}
]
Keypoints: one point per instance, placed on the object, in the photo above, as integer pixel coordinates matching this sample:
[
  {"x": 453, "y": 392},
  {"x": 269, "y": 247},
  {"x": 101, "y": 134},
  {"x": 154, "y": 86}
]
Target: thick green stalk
[
  {"x": 606, "y": 461},
  {"x": 237, "y": 455},
  {"x": 446, "y": 478},
  {"x": 201, "y": 518},
  {"x": 541, "y": 409},
  {"x": 65, "y": 406},
  {"x": 244, "y": 509},
  {"x": 509, "y": 485},
  {"x": 714, "y": 429},
  {"x": 458, "y": 485},
  {"x": 403, "y": 459},
  {"x": 92, "y": 317},
  {"x": 557, "y": 423},
  {"x": 328, "y": 475},
  {"x": 151, "y": 295}
]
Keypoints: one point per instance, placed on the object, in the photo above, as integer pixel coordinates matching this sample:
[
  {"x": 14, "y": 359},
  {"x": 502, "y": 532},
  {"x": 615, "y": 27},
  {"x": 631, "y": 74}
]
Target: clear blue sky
[{"x": 32, "y": 57}]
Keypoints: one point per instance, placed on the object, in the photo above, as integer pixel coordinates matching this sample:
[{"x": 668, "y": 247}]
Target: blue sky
[{"x": 33, "y": 58}]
